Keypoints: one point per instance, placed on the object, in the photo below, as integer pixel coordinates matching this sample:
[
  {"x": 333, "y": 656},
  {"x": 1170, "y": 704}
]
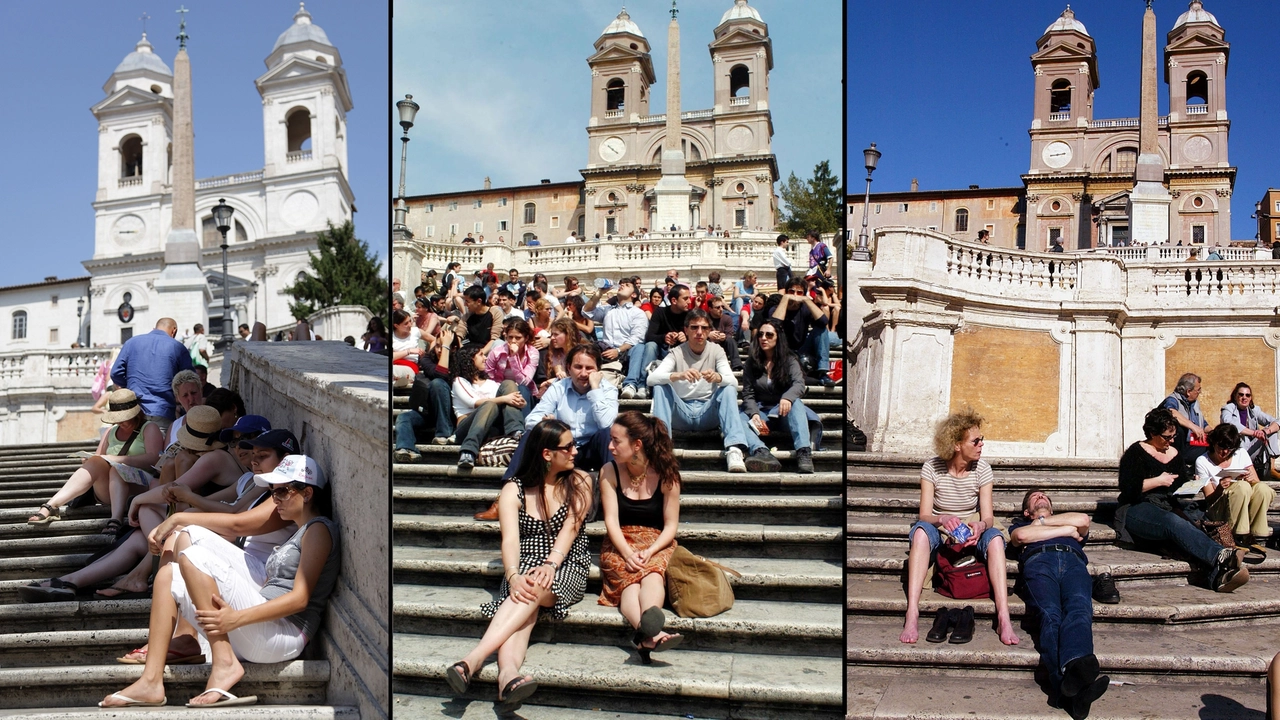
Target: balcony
[
  {"x": 739, "y": 102},
  {"x": 1197, "y": 110},
  {"x": 297, "y": 156},
  {"x": 224, "y": 180},
  {"x": 612, "y": 114},
  {"x": 134, "y": 181},
  {"x": 1125, "y": 122},
  {"x": 1059, "y": 116}
]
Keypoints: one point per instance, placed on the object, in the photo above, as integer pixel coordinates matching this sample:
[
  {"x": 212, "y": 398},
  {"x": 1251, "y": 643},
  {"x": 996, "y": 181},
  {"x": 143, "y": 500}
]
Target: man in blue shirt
[
  {"x": 147, "y": 364},
  {"x": 1055, "y": 571}
]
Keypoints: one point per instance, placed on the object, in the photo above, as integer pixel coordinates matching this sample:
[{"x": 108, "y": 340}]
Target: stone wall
[{"x": 335, "y": 399}]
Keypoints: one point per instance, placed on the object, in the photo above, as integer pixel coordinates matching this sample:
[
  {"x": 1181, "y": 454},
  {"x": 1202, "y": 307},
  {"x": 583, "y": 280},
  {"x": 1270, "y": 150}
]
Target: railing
[
  {"x": 1026, "y": 270},
  {"x": 739, "y": 101},
  {"x": 1180, "y": 253},
  {"x": 224, "y": 180},
  {"x": 37, "y": 366},
  {"x": 690, "y": 115},
  {"x": 1053, "y": 117},
  {"x": 1125, "y": 122},
  {"x": 1197, "y": 109},
  {"x": 297, "y": 156},
  {"x": 1215, "y": 279},
  {"x": 613, "y": 113},
  {"x": 131, "y": 181}
]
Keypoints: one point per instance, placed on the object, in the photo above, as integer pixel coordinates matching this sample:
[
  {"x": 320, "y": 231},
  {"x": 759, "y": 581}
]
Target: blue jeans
[
  {"x": 1060, "y": 589},
  {"x": 1149, "y": 523},
  {"x": 818, "y": 344},
  {"x": 593, "y": 453},
  {"x": 796, "y": 421},
  {"x": 935, "y": 538},
  {"x": 638, "y": 358},
  {"x": 488, "y": 418},
  {"x": 718, "y": 413},
  {"x": 410, "y": 423}
]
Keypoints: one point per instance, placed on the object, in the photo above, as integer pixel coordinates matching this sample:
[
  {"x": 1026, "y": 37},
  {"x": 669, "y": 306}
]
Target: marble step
[
  {"x": 789, "y": 579},
  {"x": 828, "y": 460},
  {"x": 41, "y": 566},
  {"x": 85, "y": 527},
  {"x": 750, "y": 626},
  {"x": 678, "y": 683},
  {"x": 782, "y": 509},
  {"x": 83, "y": 615},
  {"x": 177, "y": 711},
  {"x": 14, "y": 549},
  {"x": 409, "y": 475},
  {"x": 423, "y": 707},
  {"x": 714, "y": 539}
]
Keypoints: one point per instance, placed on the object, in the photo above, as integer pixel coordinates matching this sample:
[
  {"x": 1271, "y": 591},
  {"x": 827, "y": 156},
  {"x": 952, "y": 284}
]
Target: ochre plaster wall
[
  {"x": 1221, "y": 363},
  {"x": 1011, "y": 378}
]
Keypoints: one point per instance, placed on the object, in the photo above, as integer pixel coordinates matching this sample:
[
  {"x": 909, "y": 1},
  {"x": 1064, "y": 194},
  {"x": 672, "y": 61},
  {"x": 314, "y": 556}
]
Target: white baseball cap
[{"x": 293, "y": 468}]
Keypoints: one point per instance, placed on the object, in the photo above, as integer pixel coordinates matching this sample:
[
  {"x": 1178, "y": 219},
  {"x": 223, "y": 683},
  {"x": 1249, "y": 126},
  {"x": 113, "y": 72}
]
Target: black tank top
[{"x": 645, "y": 513}]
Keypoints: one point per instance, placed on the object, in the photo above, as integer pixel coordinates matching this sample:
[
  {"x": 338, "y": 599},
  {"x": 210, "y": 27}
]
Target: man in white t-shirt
[{"x": 198, "y": 346}]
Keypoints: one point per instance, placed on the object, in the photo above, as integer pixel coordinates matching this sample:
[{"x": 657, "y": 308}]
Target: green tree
[
  {"x": 344, "y": 273},
  {"x": 813, "y": 204}
]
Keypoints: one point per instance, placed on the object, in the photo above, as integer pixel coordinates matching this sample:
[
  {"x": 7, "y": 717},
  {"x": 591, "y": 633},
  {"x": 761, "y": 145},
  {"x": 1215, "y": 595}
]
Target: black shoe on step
[
  {"x": 1104, "y": 589},
  {"x": 942, "y": 624},
  {"x": 1079, "y": 674},
  {"x": 1078, "y": 706},
  {"x": 964, "y": 626}
]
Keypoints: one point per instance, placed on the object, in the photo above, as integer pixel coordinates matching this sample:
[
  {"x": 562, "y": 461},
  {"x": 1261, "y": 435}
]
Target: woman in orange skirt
[{"x": 640, "y": 494}]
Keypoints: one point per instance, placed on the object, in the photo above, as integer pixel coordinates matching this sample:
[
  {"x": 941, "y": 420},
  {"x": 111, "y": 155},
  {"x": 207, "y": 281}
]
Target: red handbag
[{"x": 967, "y": 582}]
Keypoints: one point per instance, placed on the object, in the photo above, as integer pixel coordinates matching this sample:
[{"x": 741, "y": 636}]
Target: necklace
[{"x": 637, "y": 477}]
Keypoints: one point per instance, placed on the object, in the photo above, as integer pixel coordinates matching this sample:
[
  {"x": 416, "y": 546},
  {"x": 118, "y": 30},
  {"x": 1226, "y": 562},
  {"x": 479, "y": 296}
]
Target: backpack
[
  {"x": 696, "y": 586},
  {"x": 968, "y": 582},
  {"x": 497, "y": 452}
]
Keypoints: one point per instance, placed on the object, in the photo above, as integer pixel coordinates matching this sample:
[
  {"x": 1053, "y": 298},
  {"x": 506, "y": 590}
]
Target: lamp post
[
  {"x": 870, "y": 156},
  {"x": 408, "y": 110},
  {"x": 80, "y": 322},
  {"x": 222, "y": 219}
]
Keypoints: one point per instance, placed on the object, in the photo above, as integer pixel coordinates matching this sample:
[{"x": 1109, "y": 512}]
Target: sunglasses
[
  {"x": 767, "y": 334},
  {"x": 565, "y": 448},
  {"x": 280, "y": 492},
  {"x": 978, "y": 441},
  {"x": 1170, "y": 437}
]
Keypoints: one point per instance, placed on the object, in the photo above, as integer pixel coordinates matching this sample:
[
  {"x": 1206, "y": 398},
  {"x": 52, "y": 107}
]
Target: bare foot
[
  {"x": 911, "y": 629},
  {"x": 1007, "y": 635},
  {"x": 140, "y": 691},
  {"x": 126, "y": 584},
  {"x": 223, "y": 677},
  {"x": 653, "y": 641}
]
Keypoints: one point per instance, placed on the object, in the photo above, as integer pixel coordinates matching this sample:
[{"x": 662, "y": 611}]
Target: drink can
[{"x": 962, "y": 534}]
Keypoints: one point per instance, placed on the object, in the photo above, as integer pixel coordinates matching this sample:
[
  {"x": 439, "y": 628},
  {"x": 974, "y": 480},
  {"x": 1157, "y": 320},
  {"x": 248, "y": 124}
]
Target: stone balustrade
[{"x": 45, "y": 395}]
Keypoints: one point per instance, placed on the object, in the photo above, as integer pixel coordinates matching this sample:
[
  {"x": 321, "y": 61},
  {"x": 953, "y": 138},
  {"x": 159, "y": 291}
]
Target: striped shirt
[{"x": 953, "y": 495}]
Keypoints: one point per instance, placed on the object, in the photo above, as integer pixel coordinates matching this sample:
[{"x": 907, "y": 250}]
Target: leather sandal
[
  {"x": 943, "y": 622},
  {"x": 517, "y": 690},
  {"x": 44, "y": 520},
  {"x": 459, "y": 677}
]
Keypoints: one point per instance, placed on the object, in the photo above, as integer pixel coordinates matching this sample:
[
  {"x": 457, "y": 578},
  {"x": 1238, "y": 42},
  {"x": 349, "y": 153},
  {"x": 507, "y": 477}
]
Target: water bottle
[{"x": 603, "y": 283}]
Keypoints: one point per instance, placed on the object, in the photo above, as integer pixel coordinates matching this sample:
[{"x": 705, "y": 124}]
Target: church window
[
  {"x": 209, "y": 233},
  {"x": 125, "y": 334},
  {"x": 241, "y": 235},
  {"x": 1055, "y": 206},
  {"x": 691, "y": 152},
  {"x": 739, "y": 188},
  {"x": 502, "y": 225},
  {"x": 1060, "y": 98},
  {"x": 1055, "y": 235},
  {"x": 530, "y": 213},
  {"x": 739, "y": 81},
  {"x": 1126, "y": 159},
  {"x": 615, "y": 96},
  {"x": 611, "y": 225},
  {"x": 1197, "y": 88},
  {"x": 740, "y": 217},
  {"x": 962, "y": 220},
  {"x": 53, "y": 336},
  {"x": 20, "y": 325},
  {"x": 298, "y": 129},
  {"x": 1197, "y": 234},
  {"x": 131, "y": 157},
  {"x": 1197, "y": 201},
  {"x": 1106, "y": 164}
]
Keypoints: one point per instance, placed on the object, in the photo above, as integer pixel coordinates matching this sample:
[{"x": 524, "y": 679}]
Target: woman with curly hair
[
  {"x": 541, "y": 513},
  {"x": 482, "y": 406},
  {"x": 955, "y": 489},
  {"x": 573, "y": 306},
  {"x": 551, "y": 364},
  {"x": 640, "y": 495}
]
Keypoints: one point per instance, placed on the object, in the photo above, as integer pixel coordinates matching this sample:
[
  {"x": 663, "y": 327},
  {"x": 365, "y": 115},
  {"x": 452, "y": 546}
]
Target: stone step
[
  {"x": 37, "y": 492},
  {"x": 18, "y": 516},
  {"x": 1227, "y": 655},
  {"x": 831, "y": 438},
  {"x": 788, "y": 510},
  {"x": 884, "y": 696},
  {"x": 714, "y": 539},
  {"x": 84, "y": 615},
  {"x": 681, "y": 682},
  {"x": 87, "y": 527},
  {"x": 409, "y": 475},
  {"x": 15, "y": 548},
  {"x": 41, "y": 566},
  {"x": 825, "y": 460},
  {"x": 750, "y": 626},
  {"x": 297, "y": 682},
  {"x": 790, "y": 579},
  {"x": 421, "y": 707},
  {"x": 69, "y": 647},
  {"x": 1166, "y": 603},
  {"x": 177, "y": 711},
  {"x": 1006, "y": 504}
]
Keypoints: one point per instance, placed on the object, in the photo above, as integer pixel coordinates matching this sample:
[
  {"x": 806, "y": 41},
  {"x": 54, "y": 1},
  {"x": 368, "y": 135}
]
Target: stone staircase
[
  {"x": 1180, "y": 650},
  {"x": 774, "y": 655},
  {"x": 57, "y": 660}
]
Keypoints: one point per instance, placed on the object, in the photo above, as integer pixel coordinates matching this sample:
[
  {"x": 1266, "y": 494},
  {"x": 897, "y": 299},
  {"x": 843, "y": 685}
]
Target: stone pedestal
[
  {"x": 1149, "y": 213},
  {"x": 673, "y": 193}
]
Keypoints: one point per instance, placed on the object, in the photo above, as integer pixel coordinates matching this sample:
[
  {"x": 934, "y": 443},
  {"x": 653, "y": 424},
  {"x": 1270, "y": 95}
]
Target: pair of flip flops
[
  {"x": 228, "y": 700},
  {"x": 58, "y": 590},
  {"x": 138, "y": 656},
  {"x": 519, "y": 688},
  {"x": 121, "y": 594}
]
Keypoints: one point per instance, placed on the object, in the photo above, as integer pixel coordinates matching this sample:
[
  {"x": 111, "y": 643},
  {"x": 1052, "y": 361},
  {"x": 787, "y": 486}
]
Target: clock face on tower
[
  {"x": 1056, "y": 154},
  {"x": 612, "y": 149}
]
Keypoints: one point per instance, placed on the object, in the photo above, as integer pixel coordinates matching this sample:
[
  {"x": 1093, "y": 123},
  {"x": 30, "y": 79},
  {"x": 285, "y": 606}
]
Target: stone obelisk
[
  {"x": 673, "y": 190},
  {"x": 1149, "y": 200},
  {"x": 184, "y": 292}
]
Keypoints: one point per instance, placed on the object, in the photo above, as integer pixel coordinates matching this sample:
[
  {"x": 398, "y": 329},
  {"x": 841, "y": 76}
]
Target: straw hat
[
  {"x": 122, "y": 404},
  {"x": 200, "y": 429}
]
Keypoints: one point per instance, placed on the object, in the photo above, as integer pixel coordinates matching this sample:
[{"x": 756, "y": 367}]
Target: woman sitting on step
[
  {"x": 207, "y": 581},
  {"x": 1233, "y": 493},
  {"x": 956, "y": 489},
  {"x": 118, "y": 469},
  {"x": 772, "y": 383},
  {"x": 541, "y": 512},
  {"x": 482, "y": 406},
  {"x": 640, "y": 496}
]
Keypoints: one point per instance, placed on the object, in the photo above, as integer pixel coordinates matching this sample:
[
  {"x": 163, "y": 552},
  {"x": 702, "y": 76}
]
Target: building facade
[
  {"x": 1267, "y": 213},
  {"x": 958, "y": 213}
]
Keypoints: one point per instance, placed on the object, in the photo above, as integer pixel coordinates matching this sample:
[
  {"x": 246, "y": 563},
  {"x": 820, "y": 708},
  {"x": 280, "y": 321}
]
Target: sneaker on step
[
  {"x": 733, "y": 458},
  {"x": 1104, "y": 589},
  {"x": 441, "y": 440},
  {"x": 761, "y": 460},
  {"x": 466, "y": 461},
  {"x": 804, "y": 460},
  {"x": 642, "y": 393},
  {"x": 628, "y": 392},
  {"x": 406, "y": 456}
]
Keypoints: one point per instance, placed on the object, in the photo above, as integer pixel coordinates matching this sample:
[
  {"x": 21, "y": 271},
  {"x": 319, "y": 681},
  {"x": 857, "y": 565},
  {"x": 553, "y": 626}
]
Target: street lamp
[
  {"x": 408, "y": 110},
  {"x": 870, "y": 157},
  {"x": 80, "y": 322},
  {"x": 222, "y": 220}
]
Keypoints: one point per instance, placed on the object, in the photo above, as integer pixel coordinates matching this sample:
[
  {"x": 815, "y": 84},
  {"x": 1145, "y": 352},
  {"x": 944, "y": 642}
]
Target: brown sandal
[
  {"x": 518, "y": 689},
  {"x": 43, "y": 520},
  {"x": 459, "y": 677}
]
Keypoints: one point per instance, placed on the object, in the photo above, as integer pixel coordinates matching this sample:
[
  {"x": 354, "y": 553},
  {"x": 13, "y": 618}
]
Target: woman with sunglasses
[
  {"x": 541, "y": 512},
  {"x": 956, "y": 489},
  {"x": 640, "y": 498},
  {"x": 772, "y": 383},
  {"x": 1151, "y": 471},
  {"x": 1258, "y": 430},
  {"x": 210, "y": 586}
]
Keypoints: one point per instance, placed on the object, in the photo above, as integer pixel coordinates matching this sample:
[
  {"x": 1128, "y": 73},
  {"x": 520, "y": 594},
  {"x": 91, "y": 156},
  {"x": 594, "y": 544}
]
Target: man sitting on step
[
  {"x": 1056, "y": 576},
  {"x": 694, "y": 389}
]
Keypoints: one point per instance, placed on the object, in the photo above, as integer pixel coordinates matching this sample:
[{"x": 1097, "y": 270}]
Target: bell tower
[
  {"x": 1066, "y": 76},
  {"x": 741, "y": 57},
  {"x": 621, "y": 74}
]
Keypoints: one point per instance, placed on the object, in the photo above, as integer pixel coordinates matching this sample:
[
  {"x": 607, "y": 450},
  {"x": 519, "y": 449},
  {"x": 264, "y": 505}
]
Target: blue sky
[
  {"x": 944, "y": 88},
  {"x": 505, "y": 89},
  {"x": 58, "y": 57}
]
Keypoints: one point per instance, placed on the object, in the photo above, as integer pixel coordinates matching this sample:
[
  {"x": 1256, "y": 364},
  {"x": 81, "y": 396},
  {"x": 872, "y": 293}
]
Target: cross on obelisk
[{"x": 182, "y": 26}]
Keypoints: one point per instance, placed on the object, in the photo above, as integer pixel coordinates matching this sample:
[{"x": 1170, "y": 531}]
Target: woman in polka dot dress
[{"x": 541, "y": 513}]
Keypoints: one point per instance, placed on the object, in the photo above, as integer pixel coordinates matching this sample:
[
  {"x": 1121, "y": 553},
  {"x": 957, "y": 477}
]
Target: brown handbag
[
  {"x": 1219, "y": 531},
  {"x": 696, "y": 586}
]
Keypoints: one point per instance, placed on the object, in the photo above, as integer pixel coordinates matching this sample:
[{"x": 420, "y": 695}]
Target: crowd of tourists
[
  {"x": 528, "y": 375},
  {"x": 1185, "y": 491},
  {"x": 214, "y": 514}
]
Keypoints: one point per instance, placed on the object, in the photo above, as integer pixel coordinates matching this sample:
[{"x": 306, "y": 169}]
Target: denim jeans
[
  {"x": 593, "y": 453},
  {"x": 796, "y": 421},
  {"x": 817, "y": 344},
  {"x": 934, "y": 536},
  {"x": 1145, "y": 521},
  {"x": 488, "y": 418},
  {"x": 718, "y": 413},
  {"x": 411, "y": 424},
  {"x": 1060, "y": 589},
  {"x": 638, "y": 358}
]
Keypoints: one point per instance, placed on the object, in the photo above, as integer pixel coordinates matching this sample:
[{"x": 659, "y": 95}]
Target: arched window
[
  {"x": 691, "y": 152},
  {"x": 615, "y": 95},
  {"x": 131, "y": 157},
  {"x": 1126, "y": 159},
  {"x": 1197, "y": 88},
  {"x": 530, "y": 213},
  {"x": 209, "y": 235},
  {"x": 1060, "y": 97},
  {"x": 962, "y": 220},
  {"x": 739, "y": 81},
  {"x": 527, "y": 237},
  {"x": 19, "y": 324},
  {"x": 241, "y": 235},
  {"x": 298, "y": 127}
]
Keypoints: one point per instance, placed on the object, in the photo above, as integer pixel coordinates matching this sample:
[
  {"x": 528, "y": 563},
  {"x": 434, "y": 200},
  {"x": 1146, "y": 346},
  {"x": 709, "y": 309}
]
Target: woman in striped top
[{"x": 955, "y": 489}]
